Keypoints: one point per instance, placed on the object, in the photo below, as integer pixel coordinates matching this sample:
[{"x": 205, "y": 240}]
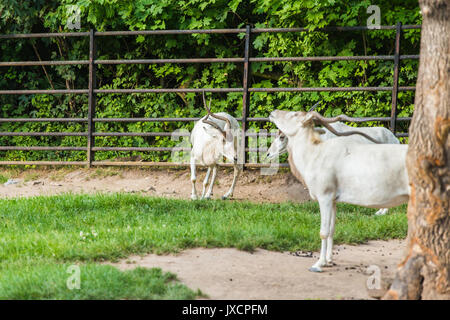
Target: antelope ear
[
  {"x": 213, "y": 132},
  {"x": 308, "y": 119},
  {"x": 228, "y": 132},
  {"x": 227, "y": 127}
]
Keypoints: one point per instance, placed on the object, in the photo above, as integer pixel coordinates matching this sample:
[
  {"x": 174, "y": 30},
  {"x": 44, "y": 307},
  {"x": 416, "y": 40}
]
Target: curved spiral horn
[
  {"x": 318, "y": 118},
  {"x": 314, "y": 106},
  {"x": 227, "y": 135},
  {"x": 208, "y": 109}
]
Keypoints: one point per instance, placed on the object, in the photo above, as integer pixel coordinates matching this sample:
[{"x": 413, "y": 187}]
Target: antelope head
[
  {"x": 224, "y": 136},
  {"x": 290, "y": 122},
  {"x": 278, "y": 146}
]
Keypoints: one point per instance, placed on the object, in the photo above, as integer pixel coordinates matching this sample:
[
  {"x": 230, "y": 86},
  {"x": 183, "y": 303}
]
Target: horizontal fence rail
[
  {"x": 200, "y": 60},
  {"x": 212, "y": 90},
  {"x": 92, "y": 91},
  {"x": 210, "y": 31}
]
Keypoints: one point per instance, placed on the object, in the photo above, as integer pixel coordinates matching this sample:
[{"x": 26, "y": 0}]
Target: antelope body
[
  {"x": 214, "y": 136},
  {"x": 337, "y": 170},
  {"x": 381, "y": 134}
]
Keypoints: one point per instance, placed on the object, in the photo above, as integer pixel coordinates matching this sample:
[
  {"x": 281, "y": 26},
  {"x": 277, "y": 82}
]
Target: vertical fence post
[
  {"x": 245, "y": 95},
  {"x": 395, "y": 80},
  {"x": 91, "y": 99}
]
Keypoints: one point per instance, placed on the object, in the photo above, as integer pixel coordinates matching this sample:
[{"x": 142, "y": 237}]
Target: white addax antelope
[
  {"x": 214, "y": 136},
  {"x": 337, "y": 170},
  {"x": 380, "y": 134}
]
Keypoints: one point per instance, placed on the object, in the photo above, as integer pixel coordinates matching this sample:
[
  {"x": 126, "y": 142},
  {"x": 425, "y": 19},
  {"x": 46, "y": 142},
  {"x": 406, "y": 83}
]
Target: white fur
[
  {"x": 381, "y": 134},
  {"x": 208, "y": 148},
  {"x": 338, "y": 170}
]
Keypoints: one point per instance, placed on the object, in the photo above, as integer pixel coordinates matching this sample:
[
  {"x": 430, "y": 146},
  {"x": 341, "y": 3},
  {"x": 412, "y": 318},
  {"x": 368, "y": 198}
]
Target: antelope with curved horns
[
  {"x": 380, "y": 134},
  {"x": 214, "y": 136},
  {"x": 337, "y": 170}
]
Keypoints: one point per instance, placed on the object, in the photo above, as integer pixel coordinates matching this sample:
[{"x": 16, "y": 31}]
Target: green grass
[
  {"x": 31, "y": 176},
  {"x": 36, "y": 233},
  {"x": 49, "y": 281},
  {"x": 103, "y": 173},
  {"x": 3, "y": 179}
]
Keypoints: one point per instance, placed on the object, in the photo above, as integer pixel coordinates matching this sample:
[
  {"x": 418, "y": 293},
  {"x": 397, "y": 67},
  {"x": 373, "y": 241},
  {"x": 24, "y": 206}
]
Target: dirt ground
[
  {"x": 225, "y": 273},
  {"x": 172, "y": 183},
  {"x": 233, "y": 274}
]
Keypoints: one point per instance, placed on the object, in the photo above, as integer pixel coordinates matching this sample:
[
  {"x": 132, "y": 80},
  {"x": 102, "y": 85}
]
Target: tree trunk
[{"x": 425, "y": 271}]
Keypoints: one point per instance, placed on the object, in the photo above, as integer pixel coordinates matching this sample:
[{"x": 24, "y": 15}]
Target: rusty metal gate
[{"x": 91, "y": 91}]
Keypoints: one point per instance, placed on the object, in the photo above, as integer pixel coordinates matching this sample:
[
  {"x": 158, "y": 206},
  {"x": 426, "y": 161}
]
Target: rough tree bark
[{"x": 425, "y": 271}]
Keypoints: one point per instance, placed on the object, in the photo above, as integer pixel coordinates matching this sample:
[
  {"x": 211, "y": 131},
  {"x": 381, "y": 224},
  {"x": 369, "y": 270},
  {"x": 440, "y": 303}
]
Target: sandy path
[
  {"x": 174, "y": 183},
  {"x": 233, "y": 274}
]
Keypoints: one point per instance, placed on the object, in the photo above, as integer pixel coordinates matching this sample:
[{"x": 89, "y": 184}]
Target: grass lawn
[{"x": 41, "y": 237}]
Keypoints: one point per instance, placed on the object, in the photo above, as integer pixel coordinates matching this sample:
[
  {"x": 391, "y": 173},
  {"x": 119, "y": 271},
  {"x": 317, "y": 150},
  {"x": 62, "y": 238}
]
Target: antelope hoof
[
  {"x": 330, "y": 264},
  {"x": 381, "y": 212},
  {"x": 193, "y": 197},
  {"x": 315, "y": 269},
  {"x": 225, "y": 197}
]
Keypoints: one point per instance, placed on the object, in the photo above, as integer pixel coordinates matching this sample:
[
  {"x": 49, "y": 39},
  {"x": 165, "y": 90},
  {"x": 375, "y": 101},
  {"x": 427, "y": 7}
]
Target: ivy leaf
[{"x": 233, "y": 5}]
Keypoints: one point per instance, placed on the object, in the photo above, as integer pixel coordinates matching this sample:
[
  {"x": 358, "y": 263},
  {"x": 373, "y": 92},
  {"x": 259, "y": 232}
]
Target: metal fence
[{"x": 91, "y": 91}]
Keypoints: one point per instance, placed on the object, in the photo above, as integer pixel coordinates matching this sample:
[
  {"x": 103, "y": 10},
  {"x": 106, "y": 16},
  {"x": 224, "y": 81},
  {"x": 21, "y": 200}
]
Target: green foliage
[{"x": 51, "y": 16}]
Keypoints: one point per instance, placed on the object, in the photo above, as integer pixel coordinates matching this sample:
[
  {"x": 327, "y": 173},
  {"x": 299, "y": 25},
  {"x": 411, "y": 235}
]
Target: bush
[{"x": 51, "y": 16}]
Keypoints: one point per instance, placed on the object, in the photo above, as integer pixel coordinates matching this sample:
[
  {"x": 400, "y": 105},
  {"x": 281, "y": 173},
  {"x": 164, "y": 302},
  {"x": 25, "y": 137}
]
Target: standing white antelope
[
  {"x": 214, "y": 136},
  {"x": 337, "y": 170},
  {"x": 380, "y": 134}
]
